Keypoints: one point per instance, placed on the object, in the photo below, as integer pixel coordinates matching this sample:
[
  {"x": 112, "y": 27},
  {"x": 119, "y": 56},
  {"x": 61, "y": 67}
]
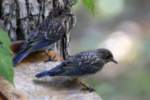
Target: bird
[
  {"x": 49, "y": 32},
  {"x": 82, "y": 64}
]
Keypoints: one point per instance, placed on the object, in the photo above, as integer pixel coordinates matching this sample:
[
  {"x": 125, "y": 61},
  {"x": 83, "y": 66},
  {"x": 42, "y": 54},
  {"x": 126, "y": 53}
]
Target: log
[{"x": 48, "y": 88}]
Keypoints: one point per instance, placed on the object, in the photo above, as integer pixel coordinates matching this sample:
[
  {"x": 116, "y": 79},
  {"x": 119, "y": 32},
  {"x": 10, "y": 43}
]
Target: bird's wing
[
  {"x": 87, "y": 58},
  {"x": 50, "y": 30},
  {"x": 40, "y": 45},
  {"x": 81, "y": 64},
  {"x": 47, "y": 31},
  {"x": 78, "y": 65},
  {"x": 83, "y": 58}
]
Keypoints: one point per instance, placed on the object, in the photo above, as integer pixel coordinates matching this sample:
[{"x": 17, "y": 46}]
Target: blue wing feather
[
  {"x": 40, "y": 45},
  {"x": 53, "y": 72},
  {"x": 20, "y": 56}
]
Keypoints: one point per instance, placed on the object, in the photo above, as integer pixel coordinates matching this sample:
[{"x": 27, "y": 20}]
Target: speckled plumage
[
  {"x": 50, "y": 31},
  {"x": 84, "y": 63}
]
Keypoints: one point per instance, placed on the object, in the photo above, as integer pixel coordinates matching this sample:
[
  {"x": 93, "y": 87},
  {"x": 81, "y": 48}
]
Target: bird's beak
[{"x": 114, "y": 61}]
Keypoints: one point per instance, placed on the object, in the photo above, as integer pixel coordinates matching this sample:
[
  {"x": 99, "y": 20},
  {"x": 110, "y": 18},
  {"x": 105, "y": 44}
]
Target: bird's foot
[
  {"x": 49, "y": 59},
  {"x": 53, "y": 56},
  {"x": 87, "y": 87},
  {"x": 90, "y": 89}
]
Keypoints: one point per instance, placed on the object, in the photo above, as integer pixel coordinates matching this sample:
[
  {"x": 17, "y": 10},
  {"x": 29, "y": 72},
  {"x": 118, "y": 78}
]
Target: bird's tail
[
  {"x": 53, "y": 72},
  {"x": 42, "y": 74},
  {"x": 20, "y": 56}
]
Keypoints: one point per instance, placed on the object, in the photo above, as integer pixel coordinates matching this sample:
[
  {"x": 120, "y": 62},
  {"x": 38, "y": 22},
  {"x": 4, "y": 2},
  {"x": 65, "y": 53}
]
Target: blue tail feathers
[
  {"x": 20, "y": 56},
  {"x": 42, "y": 74},
  {"x": 47, "y": 73},
  {"x": 57, "y": 71}
]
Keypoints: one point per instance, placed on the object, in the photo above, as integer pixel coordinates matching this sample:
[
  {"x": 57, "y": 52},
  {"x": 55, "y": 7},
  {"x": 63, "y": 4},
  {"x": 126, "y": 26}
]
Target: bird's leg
[
  {"x": 53, "y": 56},
  {"x": 49, "y": 57},
  {"x": 86, "y": 86},
  {"x": 74, "y": 80}
]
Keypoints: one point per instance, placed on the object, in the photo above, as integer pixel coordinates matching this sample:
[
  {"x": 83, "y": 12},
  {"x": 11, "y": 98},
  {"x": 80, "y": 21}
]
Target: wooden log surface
[{"x": 27, "y": 87}]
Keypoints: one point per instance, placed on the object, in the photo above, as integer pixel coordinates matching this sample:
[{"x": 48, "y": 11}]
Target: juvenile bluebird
[
  {"x": 48, "y": 32},
  {"x": 81, "y": 64}
]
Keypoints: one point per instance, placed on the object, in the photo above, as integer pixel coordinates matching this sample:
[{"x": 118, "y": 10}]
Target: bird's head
[
  {"x": 106, "y": 55},
  {"x": 70, "y": 3},
  {"x": 63, "y": 4}
]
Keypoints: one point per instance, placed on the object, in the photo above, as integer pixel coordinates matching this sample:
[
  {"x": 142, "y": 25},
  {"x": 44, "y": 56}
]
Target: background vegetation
[
  {"x": 122, "y": 26},
  {"x": 6, "y": 67}
]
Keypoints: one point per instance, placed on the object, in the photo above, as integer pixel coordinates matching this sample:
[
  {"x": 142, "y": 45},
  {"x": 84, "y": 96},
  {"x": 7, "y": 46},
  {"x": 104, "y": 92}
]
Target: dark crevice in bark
[
  {"x": 1, "y": 2},
  {"x": 41, "y": 16},
  {"x": 43, "y": 10},
  {"x": 19, "y": 30},
  {"x": 64, "y": 46},
  {"x": 28, "y": 14},
  {"x": 39, "y": 11}
]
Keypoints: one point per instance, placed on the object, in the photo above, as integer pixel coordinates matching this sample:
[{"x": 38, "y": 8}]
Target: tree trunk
[{"x": 20, "y": 17}]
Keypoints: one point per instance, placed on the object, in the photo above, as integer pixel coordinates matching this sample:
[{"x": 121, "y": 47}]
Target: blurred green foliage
[
  {"x": 133, "y": 80},
  {"x": 6, "y": 65},
  {"x": 90, "y": 4},
  {"x": 110, "y": 8},
  {"x": 134, "y": 86}
]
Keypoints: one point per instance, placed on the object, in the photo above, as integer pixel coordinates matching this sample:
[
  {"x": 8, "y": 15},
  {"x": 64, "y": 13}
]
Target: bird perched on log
[
  {"x": 50, "y": 31},
  {"x": 81, "y": 64}
]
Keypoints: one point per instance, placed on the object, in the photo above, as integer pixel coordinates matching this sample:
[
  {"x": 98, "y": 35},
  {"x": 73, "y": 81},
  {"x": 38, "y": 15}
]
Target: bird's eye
[{"x": 107, "y": 56}]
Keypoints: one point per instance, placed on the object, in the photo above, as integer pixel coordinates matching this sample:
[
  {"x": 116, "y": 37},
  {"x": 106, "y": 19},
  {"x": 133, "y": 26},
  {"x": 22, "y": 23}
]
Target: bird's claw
[
  {"x": 90, "y": 89},
  {"x": 86, "y": 87},
  {"x": 49, "y": 59}
]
